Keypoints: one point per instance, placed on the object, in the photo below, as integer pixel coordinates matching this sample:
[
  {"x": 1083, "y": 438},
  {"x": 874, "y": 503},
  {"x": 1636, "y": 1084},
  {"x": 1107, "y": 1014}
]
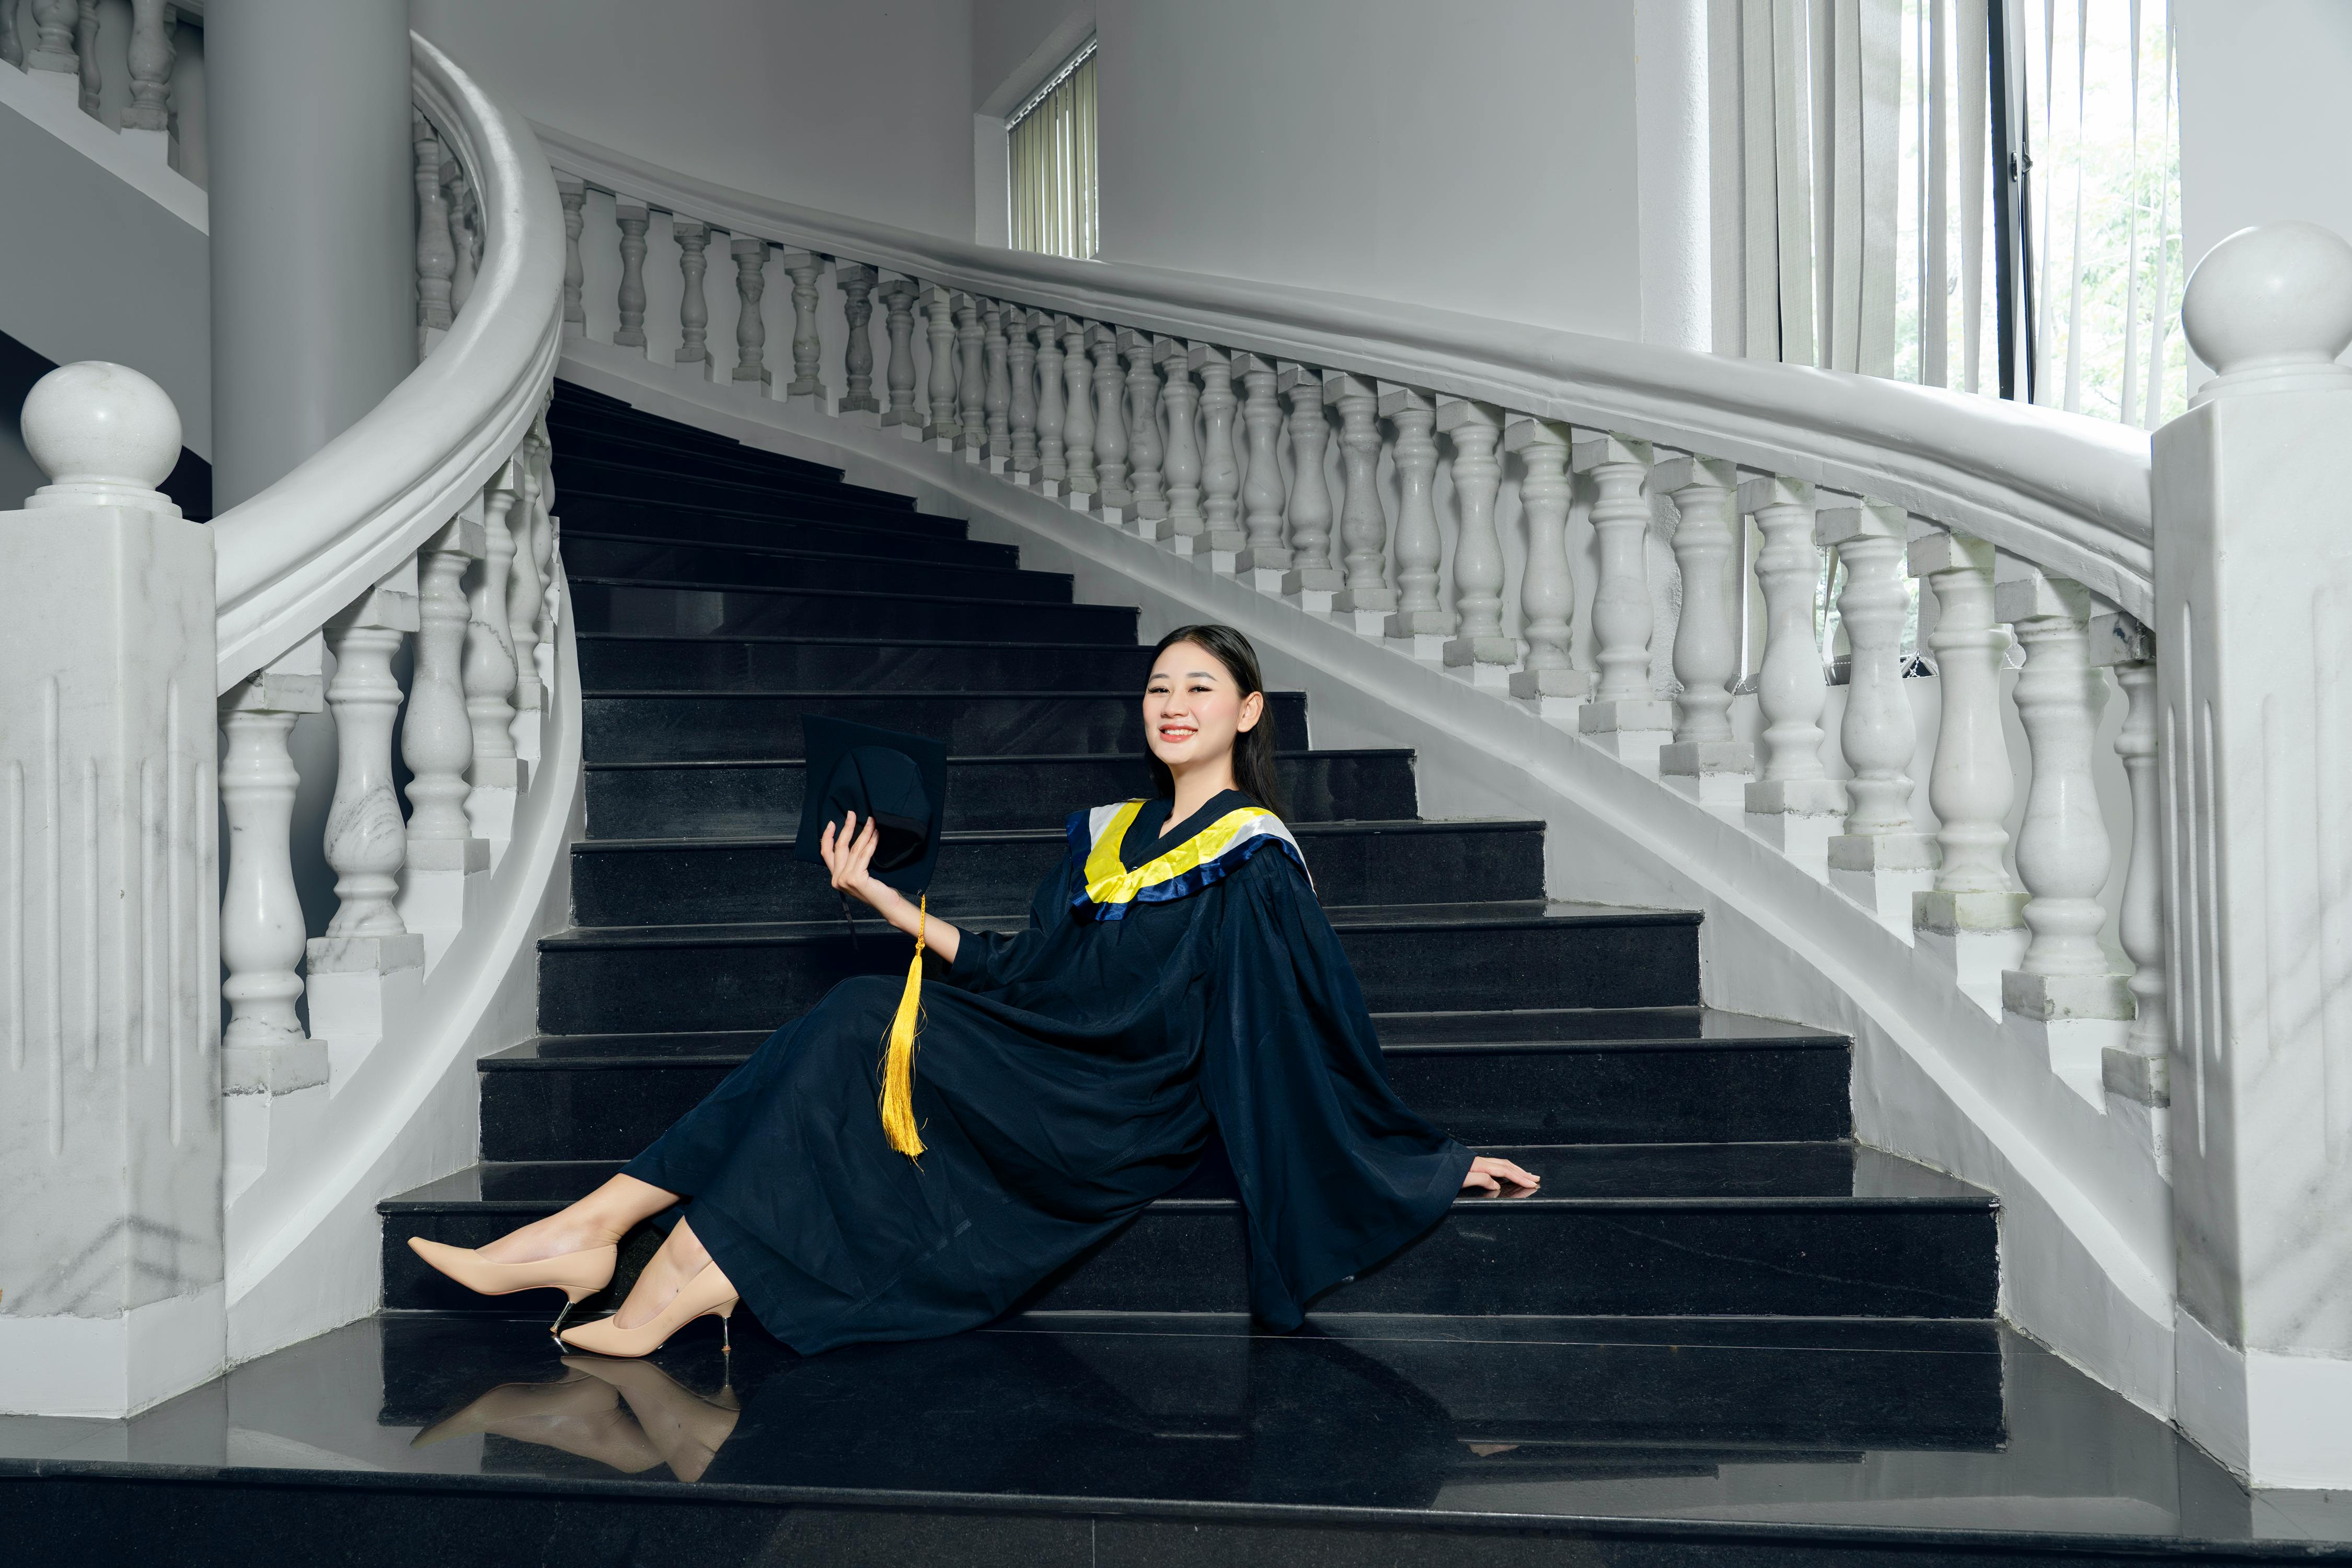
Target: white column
[
  {"x": 1263, "y": 556},
  {"x": 1222, "y": 538},
  {"x": 751, "y": 329},
  {"x": 1704, "y": 760},
  {"x": 898, "y": 297},
  {"x": 436, "y": 254},
  {"x": 857, "y": 354},
  {"x": 1147, "y": 453},
  {"x": 941, "y": 427},
  {"x": 1625, "y": 718},
  {"x": 972, "y": 379},
  {"x": 1311, "y": 581},
  {"x": 488, "y": 672},
  {"x": 1021, "y": 394},
  {"x": 1480, "y": 647},
  {"x": 1181, "y": 400},
  {"x": 1052, "y": 457},
  {"x": 1970, "y": 921},
  {"x": 1365, "y": 600},
  {"x": 1078, "y": 417},
  {"x": 1545, "y": 678},
  {"x": 808, "y": 352},
  {"x": 634, "y": 217},
  {"x": 1796, "y": 807},
  {"x": 574, "y": 195},
  {"x": 996, "y": 393},
  {"x": 1419, "y": 621},
  {"x": 1113, "y": 498},
  {"x": 2137, "y": 1076},
  {"x": 693, "y": 305},
  {"x": 1880, "y": 859}
]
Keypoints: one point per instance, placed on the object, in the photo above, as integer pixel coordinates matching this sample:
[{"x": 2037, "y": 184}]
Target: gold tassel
[{"x": 898, "y": 1062}]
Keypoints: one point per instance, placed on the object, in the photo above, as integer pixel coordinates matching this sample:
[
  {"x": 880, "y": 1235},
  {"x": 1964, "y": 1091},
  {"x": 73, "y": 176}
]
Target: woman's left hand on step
[{"x": 1488, "y": 1174}]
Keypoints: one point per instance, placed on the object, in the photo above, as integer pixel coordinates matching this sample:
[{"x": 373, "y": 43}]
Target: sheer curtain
[{"x": 1050, "y": 143}]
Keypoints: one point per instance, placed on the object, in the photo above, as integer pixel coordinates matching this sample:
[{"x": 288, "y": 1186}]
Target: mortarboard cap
[{"x": 897, "y": 781}]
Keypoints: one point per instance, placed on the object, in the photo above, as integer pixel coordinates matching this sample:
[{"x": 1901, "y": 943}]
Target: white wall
[
  {"x": 1478, "y": 158},
  {"x": 863, "y": 109}
]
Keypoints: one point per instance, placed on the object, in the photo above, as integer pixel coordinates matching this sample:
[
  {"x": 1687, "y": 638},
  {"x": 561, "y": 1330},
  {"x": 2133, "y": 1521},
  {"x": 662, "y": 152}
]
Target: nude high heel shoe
[
  {"x": 579, "y": 1275},
  {"x": 708, "y": 1295}
]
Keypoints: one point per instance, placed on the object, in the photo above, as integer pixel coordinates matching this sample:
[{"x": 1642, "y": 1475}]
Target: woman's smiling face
[{"x": 1192, "y": 709}]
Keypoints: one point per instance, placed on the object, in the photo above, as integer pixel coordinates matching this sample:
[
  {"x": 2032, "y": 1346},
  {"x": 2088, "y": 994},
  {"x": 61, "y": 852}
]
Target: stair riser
[
  {"x": 716, "y": 530},
  {"x": 671, "y": 518},
  {"x": 1831, "y": 1260},
  {"x": 704, "y": 612},
  {"x": 763, "y": 882},
  {"x": 689, "y": 665},
  {"x": 574, "y": 424},
  {"x": 714, "y": 460},
  {"x": 767, "y": 497},
  {"x": 755, "y": 728},
  {"x": 765, "y": 802},
  {"x": 594, "y": 557},
  {"x": 595, "y": 990},
  {"x": 599, "y": 1112}
]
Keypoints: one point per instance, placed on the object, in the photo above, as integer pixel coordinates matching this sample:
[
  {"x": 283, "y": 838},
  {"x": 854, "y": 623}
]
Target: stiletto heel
[
  {"x": 707, "y": 1294},
  {"x": 579, "y": 1275}
]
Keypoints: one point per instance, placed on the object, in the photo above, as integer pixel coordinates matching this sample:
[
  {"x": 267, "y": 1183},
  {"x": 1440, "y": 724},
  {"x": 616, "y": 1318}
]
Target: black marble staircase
[{"x": 1721, "y": 1332}]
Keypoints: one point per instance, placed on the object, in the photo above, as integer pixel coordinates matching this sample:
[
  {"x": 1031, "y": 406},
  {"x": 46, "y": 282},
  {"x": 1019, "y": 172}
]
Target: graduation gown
[{"x": 1167, "y": 988}]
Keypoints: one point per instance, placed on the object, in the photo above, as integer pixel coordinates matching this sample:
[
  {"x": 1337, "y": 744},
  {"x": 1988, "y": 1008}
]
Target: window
[{"x": 1050, "y": 141}]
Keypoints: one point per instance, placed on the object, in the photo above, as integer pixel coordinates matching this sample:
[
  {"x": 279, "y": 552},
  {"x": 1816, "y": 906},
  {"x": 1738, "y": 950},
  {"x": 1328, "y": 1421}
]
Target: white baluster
[
  {"x": 489, "y": 671},
  {"x": 437, "y": 255},
  {"x": 1419, "y": 621},
  {"x": 436, "y": 741},
  {"x": 1053, "y": 457},
  {"x": 1548, "y": 588},
  {"x": 972, "y": 379},
  {"x": 940, "y": 425},
  {"x": 1263, "y": 557},
  {"x": 808, "y": 352},
  {"x": 1311, "y": 580},
  {"x": 574, "y": 195},
  {"x": 1365, "y": 598},
  {"x": 1180, "y": 400},
  {"x": 996, "y": 384},
  {"x": 906, "y": 412},
  {"x": 2063, "y": 982},
  {"x": 12, "y": 47},
  {"x": 1146, "y": 481},
  {"x": 750, "y": 327},
  {"x": 1078, "y": 417},
  {"x": 463, "y": 235},
  {"x": 1704, "y": 760},
  {"x": 858, "y": 357},
  {"x": 86, "y": 56},
  {"x": 1481, "y": 646},
  {"x": 1625, "y": 717},
  {"x": 526, "y": 588},
  {"x": 1021, "y": 394},
  {"x": 1880, "y": 859},
  {"x": 1796, "y": 807},
  {"x": 543, "y": 550},
  {"x": 261, "y": 926},
  {"x": 152, "y": 56},
  {"x": 693, "y": 306},
  {"x": 1222, "y": 538},
  {"x": 1971, "y": 921},
  {"x": 53, "y": 42},
  {"x": 633, "y": 217},
  {"x": 2139, "y": 1073},
  {"x": 1113, "y": 499}
]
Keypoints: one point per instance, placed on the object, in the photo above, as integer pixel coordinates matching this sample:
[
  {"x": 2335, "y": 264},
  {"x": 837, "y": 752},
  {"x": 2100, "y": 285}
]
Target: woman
[{"x": 1177, "y": 978}]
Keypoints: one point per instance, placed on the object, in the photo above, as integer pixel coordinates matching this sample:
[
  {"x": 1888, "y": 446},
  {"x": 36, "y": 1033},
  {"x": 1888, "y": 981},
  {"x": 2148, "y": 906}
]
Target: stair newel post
[
  {"x": 1545, "y": 677},
  {"x": 574, "y": 195},
  {"x": 1113, "y": 498},
  {"x": 488, "y": 672},
  {"x": 2063, "y": 984},
  {"x": 436, "y": 254},
  {"x": 1021, "y": 394},
  {"x": 898, "y": 297},
  {"x": 971, "y": 378},
  {"x": 633, "y": 217},
  {"x": 1078, "y": 417},
  {"x": 1795, "y": 806},
  {"x": 857, "y": 282},
  {"x": 1263, "y": 556},
  {"x": 693, "y": 306},
  {"x": 1625, "y": 717},
  {"x": 1704, "y": 760},
  {"x": 2138, "y": 1072},
  {"x": 1052, "y": 458},
  {"x": 151, "y": 56},
  {"x": 1221, "y": 476},
  {"x": 750, "y": 327},
  {"x": 1147, "y": 481},
  {"x": 1880, "y": 859},
  {"x": 526, "y": 588},
  {"x": 436, "y": 741},
  {"x": 1365, "y": 598},
  {"x": 1971, "y": 918},
  {"x": 1310, "y": 579},
  {"x": 940, "y": 424},
  {"x": 808, "y": 351},
  {"x": 262, "y": 934},
  {"x": 1419, "y": 620},
  {"x": 996, "y": 391},
  {"x": 1480, "y": 646},
  {"x": 1181, "y": 402}
]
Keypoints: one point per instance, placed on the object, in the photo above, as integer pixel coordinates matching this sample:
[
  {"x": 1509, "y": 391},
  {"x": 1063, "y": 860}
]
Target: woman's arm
[{"x": 849, "y": 858}]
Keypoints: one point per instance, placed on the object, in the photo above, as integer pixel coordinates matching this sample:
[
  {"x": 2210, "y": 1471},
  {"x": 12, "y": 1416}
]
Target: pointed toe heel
[
  {"x": 579, "y": 1275},
  {"x": 707, "y": 1295}
]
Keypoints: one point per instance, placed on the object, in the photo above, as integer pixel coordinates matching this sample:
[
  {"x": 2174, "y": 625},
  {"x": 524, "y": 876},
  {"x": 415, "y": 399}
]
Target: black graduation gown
[{"x": 1066, "y": 1076}]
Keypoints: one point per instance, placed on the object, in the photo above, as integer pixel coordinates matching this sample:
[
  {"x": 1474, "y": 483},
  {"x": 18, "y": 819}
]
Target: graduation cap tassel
[{"x": 898, "y": 1061}]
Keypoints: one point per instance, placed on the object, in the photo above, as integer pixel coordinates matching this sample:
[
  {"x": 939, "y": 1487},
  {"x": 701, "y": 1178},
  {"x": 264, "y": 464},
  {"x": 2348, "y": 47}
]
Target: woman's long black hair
[{"x": 1253, "y": 747}]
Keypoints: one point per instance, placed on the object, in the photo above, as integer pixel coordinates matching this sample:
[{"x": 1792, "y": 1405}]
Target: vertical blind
[{"x": 1050, "y": 143}]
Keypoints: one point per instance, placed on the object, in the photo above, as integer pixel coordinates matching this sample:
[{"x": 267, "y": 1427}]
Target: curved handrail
[
  {"x": 2068, "y": 492},
  {"x": 312, "y": 543}
]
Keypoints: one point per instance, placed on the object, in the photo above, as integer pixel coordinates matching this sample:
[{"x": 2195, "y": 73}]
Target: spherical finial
[
  {"x": 104, "y": 434},
  {"x": 2270, "y": 300}
]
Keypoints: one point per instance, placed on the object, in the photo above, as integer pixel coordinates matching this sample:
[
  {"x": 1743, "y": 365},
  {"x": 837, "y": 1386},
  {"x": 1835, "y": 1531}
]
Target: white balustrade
[
  {"x": 1548, "y": 588},
  {"x": 1078, "y": 418},
  {"x": 1881, "y": 858},
  {"x": 1146, "y": 483},
  {"x": 1418, "y": 618},
  {"x": 1311, "y": 580},
  {"x": 1480, "y": 646},
  {"x": 808, "y": 351},
  {"x": 1365, "y": 598},
  {"x": 1113, "y": 499},
  {"x": 1705, "y": 760},
  {"x": 858, "y": 353},
  {"x": 971, "y": 378},
  {"x": 632, "y": 218},
  {"x": 1021, "y": 392},
  {"x": 1222, "y": 538},
  {"x": 898, "y": 298},
  {"x": 1052, "y": 458},
  {"x": 1263, "y": 556},
  {"x": 1180, "y": 400},
  {"x": 693, "y": 306},
  {"x": 996, "y": 389},
  {"x": 1625, "y": 717},
  {"x": 1795, "y": 806},
  {"x": 750, "y": 327},
  {"x": 940, "y": 423}
]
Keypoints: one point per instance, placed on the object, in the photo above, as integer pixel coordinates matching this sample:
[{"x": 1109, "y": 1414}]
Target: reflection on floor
[{"x": 1918, "y": 1426}]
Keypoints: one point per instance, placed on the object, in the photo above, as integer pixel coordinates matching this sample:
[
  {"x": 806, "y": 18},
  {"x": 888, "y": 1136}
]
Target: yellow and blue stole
[{"x": 1107, "y": 888}]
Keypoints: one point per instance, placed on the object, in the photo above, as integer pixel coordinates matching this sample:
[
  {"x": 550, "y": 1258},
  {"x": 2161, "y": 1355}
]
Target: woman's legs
[
  {"x": 600, "y": 1219},
  {"x": 681, "y": 1257}
]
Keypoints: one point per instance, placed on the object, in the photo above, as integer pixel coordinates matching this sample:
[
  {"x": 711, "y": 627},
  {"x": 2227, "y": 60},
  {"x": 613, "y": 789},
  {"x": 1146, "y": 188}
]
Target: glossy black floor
[{"x": 1722, "y": 1330}]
